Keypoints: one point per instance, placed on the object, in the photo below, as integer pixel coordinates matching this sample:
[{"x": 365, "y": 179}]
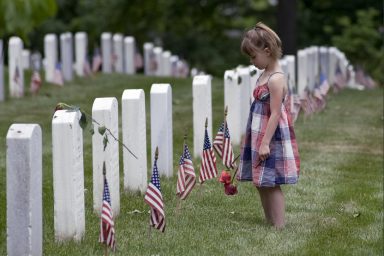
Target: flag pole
[
  {"x": 105, "y": 249},
  {"x": 201, "y": 184},
  {"x": 179, "y": 201},
  {"x": 150, "y": 226},
  {"x": 104, "y": 175},
  {"x": 225, "y": 124}
]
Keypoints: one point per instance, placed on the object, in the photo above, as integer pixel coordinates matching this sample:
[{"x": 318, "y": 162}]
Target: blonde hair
[{"x": 260, "y": 37}]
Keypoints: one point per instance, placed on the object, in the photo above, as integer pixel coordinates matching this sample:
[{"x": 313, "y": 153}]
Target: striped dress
[{"x": 283, "y": 164}]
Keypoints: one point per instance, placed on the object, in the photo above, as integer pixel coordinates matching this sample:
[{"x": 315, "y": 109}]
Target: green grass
[{"x": 335, "y": 209}]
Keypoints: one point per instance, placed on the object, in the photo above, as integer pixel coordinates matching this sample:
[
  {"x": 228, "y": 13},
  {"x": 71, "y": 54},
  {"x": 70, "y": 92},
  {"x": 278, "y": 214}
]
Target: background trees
[{"x": 207, "y": 32}]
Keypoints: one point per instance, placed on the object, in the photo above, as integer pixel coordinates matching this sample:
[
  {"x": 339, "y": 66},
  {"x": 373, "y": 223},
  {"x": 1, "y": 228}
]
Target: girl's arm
[{"x": 276, "y": 89}]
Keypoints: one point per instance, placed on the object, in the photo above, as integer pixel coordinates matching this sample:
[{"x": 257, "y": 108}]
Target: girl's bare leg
[{"x": 272, "y": 199}]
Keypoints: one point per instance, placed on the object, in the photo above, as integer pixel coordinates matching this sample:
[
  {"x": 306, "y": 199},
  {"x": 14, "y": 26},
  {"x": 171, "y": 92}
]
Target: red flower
[
  {"x": 261, "y": 92},
  {"x": 230, "y": 189},
  {"x": 225, "y": 177}
]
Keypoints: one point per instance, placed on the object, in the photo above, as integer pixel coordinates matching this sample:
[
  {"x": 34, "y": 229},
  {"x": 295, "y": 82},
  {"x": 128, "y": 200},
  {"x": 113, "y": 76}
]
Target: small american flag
[
  {"x": 296, "y": 107},
  {"x": 87, "y": 68},
  {"x": 138, "y": 60},
  {"x": 324, "y": 85},
  {"x": 339, "y": 79},
  {"x": 107, "y": 225},
  {"x": 186, "y": 177},
  {"x": 16, "y": 75},
  {"x": 154, "y": 199},
  {"x": 224, "y": 149},
  {"x": 58, "y": 75},
  {"x": 35, "y": 82},
  {"x": 208, "y": 169},
  {"x": 96, "y": 61}
]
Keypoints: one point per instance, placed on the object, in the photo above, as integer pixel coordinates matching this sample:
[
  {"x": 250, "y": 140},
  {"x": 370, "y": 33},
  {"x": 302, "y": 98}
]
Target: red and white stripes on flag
[
  {"x": 35, "y": 82},
  {"x": 87, "y": 68},
  {"x": 223, "y": 146},
  {"x": 58, "y": 75},
  {"x": 96, "y": 62},
  {"x": 107, "y": 225},
  {"x": 154, "y": 199},
  {"x": 186, "y": 178},
  {"x": 208, "y": 169}
]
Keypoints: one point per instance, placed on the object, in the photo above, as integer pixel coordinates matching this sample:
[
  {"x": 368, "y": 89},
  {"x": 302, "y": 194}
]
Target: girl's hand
[{"x": 264, "y": 151}]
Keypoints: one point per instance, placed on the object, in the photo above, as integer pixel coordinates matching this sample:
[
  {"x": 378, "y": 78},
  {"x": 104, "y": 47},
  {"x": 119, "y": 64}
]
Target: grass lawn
[{"x": 335, "y": 209}]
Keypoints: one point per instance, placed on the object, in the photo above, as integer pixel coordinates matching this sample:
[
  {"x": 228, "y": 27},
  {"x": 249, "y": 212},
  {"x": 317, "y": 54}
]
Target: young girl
[{"x": 269, "y": 155}]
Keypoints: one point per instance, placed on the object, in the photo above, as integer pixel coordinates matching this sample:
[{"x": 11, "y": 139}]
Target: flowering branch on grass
[{"x": 104, "y": 131}]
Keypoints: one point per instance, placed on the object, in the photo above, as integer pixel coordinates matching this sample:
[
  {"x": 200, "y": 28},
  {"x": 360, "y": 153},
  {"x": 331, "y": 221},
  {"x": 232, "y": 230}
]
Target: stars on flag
[
  {"x": 154, "y": 199},
  {"x": 186, "y": 174},
  {"x": 208, "y": 169},
  {"x": 223, "y": 146},
  {"x": 107, "y": 225}
]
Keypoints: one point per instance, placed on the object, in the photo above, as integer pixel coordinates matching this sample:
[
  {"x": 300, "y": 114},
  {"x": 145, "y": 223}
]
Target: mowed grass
[{"x": 335, "y": 209}]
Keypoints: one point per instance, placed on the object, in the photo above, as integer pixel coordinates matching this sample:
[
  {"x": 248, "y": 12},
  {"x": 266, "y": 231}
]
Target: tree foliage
[
  {"x": 18, "y": 17},
  {"x": 362, "y": 43},
  {"x": 205, "y": 32}
]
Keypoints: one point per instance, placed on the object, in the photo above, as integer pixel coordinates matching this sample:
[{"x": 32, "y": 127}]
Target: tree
[{"x": 19, "y": 18}]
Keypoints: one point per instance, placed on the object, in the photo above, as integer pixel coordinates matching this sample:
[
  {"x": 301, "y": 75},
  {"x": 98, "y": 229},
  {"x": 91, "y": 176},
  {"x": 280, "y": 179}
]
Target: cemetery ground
[{"x": 335, "y": 209}]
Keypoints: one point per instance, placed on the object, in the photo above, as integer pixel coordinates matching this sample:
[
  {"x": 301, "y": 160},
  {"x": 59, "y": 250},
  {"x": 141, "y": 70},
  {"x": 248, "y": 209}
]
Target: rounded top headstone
[
  {"x": 133, "y": 94},
  {"x": 65, "y": 116},
  {"x": 106, "y": 35},
  {"x": 148, "y": 46},
  {"x": 201, "y": 79},
  {"x": 118, "y": 37},
  {"x": 81, "y": 35},
  {"x": 160, "y": 88},
  {"x": 129, "y": 39},
  {"x": 23, "y": 131},
  {"x": 104, "y": 103}
]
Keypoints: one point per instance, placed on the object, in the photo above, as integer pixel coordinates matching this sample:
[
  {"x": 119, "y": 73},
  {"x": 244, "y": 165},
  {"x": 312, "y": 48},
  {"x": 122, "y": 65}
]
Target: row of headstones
[
  {"x": 240, "y": 82},
  {"x": 314, "y": 61},
  {"x": 24, "y": 160},
  {"x": 118, "y": 53}
]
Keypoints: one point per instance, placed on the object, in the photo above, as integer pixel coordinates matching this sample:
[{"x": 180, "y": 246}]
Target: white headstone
[
  {"x": 202, "y": 109},
  {"x": 158, "y": 54},
  {"x": 118, "y": 48},
  {"x": 24, "y": 190},
  {"x": 134, "y": 137},
  {"x": 166, "y": 63},
  {"x": 332, "y": 64},
  {"x": 15, "y": 67},
  {"x": 36, "y": 61},
  {"x": 26, "y": 59},
  {"x": 68, "y": 175},
  {"x": 161, "y": 127},
  {"x": 105, "y": 113},
  {"x": 66, "y": 50},
  {"x": 81, "y": 48},
  {"x": 302, "y": 77},
  {"x": 148, "y": 53},
  {"x": 50, "y": 55},
  {"x": 174, "y": 60},
  {"x": 106, "y": 51},
  {"x": 314, "y": 67},
  {"x": 324, "y": 61},
  {"x": 232, "y": 99},
  {"x": 129, "y": 52},
  {"x": 244, "y": 85},
  {"x": 291, "y": 72},
  {"x": 352, "y": 75},
  {"x": 2, "y": 94}
]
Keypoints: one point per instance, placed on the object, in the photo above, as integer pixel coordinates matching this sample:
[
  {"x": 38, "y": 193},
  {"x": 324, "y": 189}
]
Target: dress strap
[{"x": 277, "y": 72}]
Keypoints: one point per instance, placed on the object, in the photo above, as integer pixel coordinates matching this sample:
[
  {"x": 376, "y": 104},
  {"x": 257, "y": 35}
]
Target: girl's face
[{"x": 260, "y": 58}]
